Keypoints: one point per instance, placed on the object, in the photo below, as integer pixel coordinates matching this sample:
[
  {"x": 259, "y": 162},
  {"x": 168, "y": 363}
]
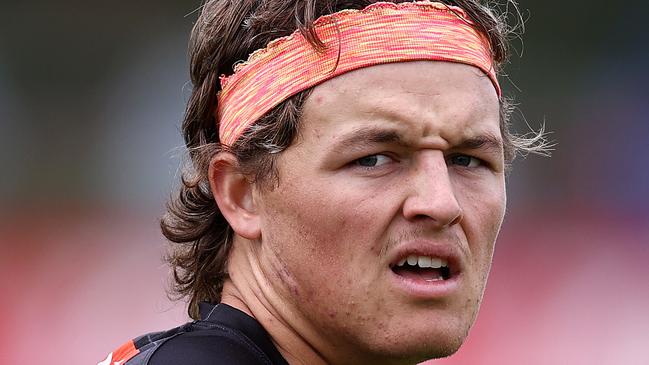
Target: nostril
[
  {"x": 457, "y": 219},
  {"x": 442, "y": 222},
  {"x": 438, "y": 206}
]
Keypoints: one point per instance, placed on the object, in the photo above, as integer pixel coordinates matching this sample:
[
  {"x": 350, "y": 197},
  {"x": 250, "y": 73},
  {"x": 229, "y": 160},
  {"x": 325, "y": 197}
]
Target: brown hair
[{"x": 226, "y": 32}]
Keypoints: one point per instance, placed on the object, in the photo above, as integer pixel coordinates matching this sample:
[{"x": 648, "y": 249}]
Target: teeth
[{"x": 423, "y": 261}]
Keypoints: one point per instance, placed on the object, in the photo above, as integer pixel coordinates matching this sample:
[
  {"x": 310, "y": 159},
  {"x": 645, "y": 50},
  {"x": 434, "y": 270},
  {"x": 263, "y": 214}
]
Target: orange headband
[{"x": 381, "y": 33}]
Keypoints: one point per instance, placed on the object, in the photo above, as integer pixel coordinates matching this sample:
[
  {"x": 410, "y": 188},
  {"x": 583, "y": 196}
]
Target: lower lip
[{"x": 427, "y": 289}]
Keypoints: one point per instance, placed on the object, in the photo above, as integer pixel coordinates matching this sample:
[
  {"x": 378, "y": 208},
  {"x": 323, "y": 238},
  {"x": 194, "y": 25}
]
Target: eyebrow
[
  {"x": 369, "y": 136},
  {"x": 486, "y": 142}
]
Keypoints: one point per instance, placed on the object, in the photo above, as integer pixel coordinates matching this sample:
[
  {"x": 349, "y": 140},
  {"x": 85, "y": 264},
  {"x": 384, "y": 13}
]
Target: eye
[
  {"x": 372, "y": 161},
  {"x": 465, "y": 161}
]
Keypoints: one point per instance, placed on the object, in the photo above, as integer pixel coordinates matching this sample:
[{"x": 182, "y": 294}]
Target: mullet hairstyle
[{"x": 226, "y": 32}]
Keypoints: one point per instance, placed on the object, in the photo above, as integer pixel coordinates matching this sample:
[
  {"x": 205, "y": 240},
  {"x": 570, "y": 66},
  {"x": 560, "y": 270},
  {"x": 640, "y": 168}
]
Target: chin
[
  {"x": 440, "y": 347},
  {"x": 446, "y": 349},
  {"x": 413, "y": 348},
  {"x": 419, "y": 355}
]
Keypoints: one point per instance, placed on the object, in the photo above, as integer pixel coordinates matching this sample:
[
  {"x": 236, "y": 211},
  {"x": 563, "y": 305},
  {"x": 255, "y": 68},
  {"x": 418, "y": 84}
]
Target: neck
[{"x": 248, "y": 290}]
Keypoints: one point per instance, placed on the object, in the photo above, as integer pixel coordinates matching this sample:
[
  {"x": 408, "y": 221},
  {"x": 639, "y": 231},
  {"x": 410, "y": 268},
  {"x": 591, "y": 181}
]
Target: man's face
[{"x": 394, "y": 162}]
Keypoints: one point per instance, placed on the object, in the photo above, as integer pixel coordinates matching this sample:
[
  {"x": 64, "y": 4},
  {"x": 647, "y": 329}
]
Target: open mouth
[{"x": 422, "y": 268}]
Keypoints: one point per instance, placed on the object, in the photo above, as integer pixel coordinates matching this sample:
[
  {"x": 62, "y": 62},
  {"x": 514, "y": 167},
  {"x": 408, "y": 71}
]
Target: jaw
[
  {"x": 403, "y": 335},
  {"x": 411, "y": 328}
]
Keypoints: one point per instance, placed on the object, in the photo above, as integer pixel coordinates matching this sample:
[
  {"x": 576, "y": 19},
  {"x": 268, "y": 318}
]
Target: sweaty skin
[{"x": 389, "y": 159}]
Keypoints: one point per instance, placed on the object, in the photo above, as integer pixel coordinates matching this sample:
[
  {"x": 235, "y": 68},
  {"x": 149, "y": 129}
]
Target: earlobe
[{"x": 234, "y": 195}]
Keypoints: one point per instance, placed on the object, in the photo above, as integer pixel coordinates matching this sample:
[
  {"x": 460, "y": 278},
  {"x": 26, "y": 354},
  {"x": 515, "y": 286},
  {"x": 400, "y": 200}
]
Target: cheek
[
  {"x": 484, "y": 209},
  {"x": 314, "y": 237}
]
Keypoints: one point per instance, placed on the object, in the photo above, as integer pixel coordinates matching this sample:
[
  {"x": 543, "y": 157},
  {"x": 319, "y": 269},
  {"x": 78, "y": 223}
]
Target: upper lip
[{"x": 452, "y": 253}]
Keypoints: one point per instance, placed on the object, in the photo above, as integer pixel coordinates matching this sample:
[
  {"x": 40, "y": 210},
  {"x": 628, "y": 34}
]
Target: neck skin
[{"x": 248, "y": 290}]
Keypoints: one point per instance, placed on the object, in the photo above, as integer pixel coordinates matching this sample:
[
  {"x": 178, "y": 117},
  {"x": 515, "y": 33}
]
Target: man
[{"x": 347, "y": 187}]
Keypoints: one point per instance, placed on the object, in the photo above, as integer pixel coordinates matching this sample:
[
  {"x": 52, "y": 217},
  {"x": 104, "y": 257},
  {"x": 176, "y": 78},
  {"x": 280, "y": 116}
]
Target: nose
[{"x": 431, "y": 192}]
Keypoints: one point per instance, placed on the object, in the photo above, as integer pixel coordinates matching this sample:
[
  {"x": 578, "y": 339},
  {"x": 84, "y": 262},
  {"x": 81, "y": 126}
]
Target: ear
[{"x": 234, "y": 195}]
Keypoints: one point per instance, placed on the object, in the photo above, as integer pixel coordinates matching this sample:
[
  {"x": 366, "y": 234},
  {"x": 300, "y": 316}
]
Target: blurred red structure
[{"x": 565, "y": 288}]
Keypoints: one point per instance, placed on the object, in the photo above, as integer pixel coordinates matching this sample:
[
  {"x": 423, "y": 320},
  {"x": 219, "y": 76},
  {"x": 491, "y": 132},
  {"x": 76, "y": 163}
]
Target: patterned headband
[{"x": 380, "y": 33}]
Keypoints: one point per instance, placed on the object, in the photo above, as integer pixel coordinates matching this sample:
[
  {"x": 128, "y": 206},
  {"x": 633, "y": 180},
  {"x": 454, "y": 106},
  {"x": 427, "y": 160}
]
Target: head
[{"x": 327, "y": 193}]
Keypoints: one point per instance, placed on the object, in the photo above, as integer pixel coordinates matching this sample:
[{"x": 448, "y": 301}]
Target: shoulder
[
  {"x": 197, "y": 343},
  {"x": 225, "y": 335},
  {"x": 212, "y": 346}
]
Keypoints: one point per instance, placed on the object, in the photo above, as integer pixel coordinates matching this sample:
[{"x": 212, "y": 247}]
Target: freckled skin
[{"x": 328, "y": 228}]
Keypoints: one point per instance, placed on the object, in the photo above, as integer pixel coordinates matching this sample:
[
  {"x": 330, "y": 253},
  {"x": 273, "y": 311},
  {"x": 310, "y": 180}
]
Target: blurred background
[{"x": 91, "y": 99}]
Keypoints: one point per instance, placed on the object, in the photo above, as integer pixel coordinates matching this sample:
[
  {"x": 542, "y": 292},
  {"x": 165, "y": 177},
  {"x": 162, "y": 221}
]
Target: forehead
[{"x": 424, "y": 101}]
